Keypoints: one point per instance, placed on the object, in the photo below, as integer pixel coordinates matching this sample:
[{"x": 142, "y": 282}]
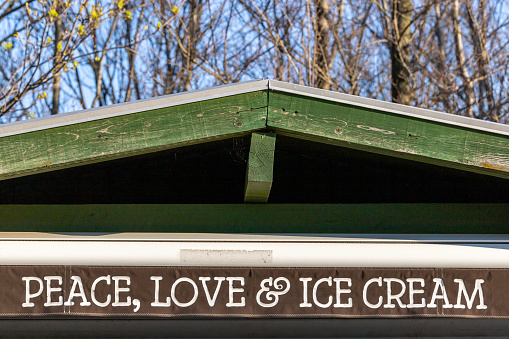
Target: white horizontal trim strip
[
  {"x": 261, "y": 238},
  {"x": 306, "y": 253}
]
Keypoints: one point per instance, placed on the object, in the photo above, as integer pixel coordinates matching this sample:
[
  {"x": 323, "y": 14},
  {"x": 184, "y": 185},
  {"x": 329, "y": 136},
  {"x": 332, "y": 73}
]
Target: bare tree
[
  {"x": 57, "y": 54},
  {"x": 45, "y": 42},
  {"x": 462, "y": 64},
  {"x": 399, "y": 42},
  {"x": 478, "y": 30},
  {"x": 450, "y": 55}
]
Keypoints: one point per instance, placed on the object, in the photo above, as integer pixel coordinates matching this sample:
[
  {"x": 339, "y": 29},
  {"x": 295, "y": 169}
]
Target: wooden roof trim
[
  {"x": 389, "y": 107},
  {"x": 77, "y": 117},
  {"x": 117, "y": 131},
  {"x": 95, "y": 140},
  {"x": 382, "y": 132},
  {"x": 71, "y": 118}
]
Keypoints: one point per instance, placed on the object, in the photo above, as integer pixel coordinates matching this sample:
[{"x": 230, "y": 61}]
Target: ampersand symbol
[{"x": 272, "y": 295}]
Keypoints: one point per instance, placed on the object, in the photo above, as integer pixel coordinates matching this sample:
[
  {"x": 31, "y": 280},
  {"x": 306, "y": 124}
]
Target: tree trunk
[
  {"x": 468, "y": 84},
  {"x": 131, "y": 50},
  {"x": 400, "y": 51},
  {"x": 193, "y": 34},
  {"x": 322, "y": 30},
  {"x": 279, "y": 50},
  {"x": 478, "y": 32},
  {"x": 444, "y": 82},
  {"x": 57, "y": 55}
]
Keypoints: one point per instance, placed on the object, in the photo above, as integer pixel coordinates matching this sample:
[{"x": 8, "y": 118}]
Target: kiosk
[{"x": 258, "y": 209}]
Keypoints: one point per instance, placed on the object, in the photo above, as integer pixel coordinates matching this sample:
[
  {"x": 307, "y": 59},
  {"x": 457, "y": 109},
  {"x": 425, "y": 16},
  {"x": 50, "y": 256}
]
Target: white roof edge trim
[
  {"x": 98, "y": 113},
  {"x": 255, "y": 254},
  {"x": 414, "y": 112},
  {"x": 258, "y": 238}
]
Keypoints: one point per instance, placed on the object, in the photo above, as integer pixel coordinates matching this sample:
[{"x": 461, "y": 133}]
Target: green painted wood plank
[
  {"x": 132, "y": 134},
  {"x": 260, "y": 218},
  {"x": 389, "y": 133},
  {"x": 260, "y": 166}
]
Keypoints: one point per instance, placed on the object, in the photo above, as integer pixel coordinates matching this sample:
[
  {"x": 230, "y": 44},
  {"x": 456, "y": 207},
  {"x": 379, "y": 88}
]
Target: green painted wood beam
[
  {"x": 259, "y": 218},
  {"x": 297, "y": 115},
  {"x": 132, "y": 134},
  {"x": 260, "y": 166},
  {"x": 389, "y": 133}
]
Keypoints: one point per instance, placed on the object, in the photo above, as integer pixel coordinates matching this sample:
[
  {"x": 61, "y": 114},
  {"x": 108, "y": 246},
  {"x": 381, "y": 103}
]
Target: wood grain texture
[
  {"x": 260, "y": 166},
  {"x": 289, "y": 114},
  {"x": 131, "y": 134},
  {"x": 388, "y": 133}
]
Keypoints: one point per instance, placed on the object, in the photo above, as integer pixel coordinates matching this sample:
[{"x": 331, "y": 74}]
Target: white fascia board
[
  {"x": 409, "y": 251},
  {"x": 261, "y": 238}
]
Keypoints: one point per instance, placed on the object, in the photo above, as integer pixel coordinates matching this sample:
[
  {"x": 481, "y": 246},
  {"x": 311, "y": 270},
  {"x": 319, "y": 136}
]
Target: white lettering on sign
[
  {"x": 29, "y": 295},
  {"x": 119, "y": 290},
  {"x": 315, "y": 290},
  {"x": 174, "y": 295},
  {"x": 50, "y": 290},
  {"x": 439, "y": 283},
  {"x": 327, "y": 292},
  {"x": 305, "y": 302},
  {"x": 340, "y": 291},
  {"x": 327, "y": 282},
  {"x": 396, "y": 297},
  {"x": 156, "y": 302},
  {"x": 470, "y": 301},
  {"x": 439, "y": 293},
  {"x": 365, "y": 293},
  {"x": 94, "y": 286},
  {"x": 77, "y": 283},
  {"x": 233, "y": 290},
  {"x": 272, "y": 295},
  {"x": 211, "y": 301},
  {"x": 412, "y": 292}
]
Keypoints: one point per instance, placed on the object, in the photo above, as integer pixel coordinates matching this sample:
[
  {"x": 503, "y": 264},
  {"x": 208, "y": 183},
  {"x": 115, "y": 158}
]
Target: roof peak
[{"x": 204, "y": 94}]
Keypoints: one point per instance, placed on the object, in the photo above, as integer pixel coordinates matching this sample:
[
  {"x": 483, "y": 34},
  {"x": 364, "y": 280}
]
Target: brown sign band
[{"x": 252, "y": 292}]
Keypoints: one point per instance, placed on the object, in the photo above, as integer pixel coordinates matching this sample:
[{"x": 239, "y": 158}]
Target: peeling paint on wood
[
  {"x": 389, "y": 133},
  {"x": 369, "y": 128},
  {"x": 500, "y": 168},
  {"x": 132, "y": 134},
  {"x": 298, "y": 116}
]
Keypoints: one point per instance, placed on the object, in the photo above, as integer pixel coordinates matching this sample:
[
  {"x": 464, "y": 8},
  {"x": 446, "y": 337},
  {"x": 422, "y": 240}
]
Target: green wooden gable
[{"x": 260, "y": 156}]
